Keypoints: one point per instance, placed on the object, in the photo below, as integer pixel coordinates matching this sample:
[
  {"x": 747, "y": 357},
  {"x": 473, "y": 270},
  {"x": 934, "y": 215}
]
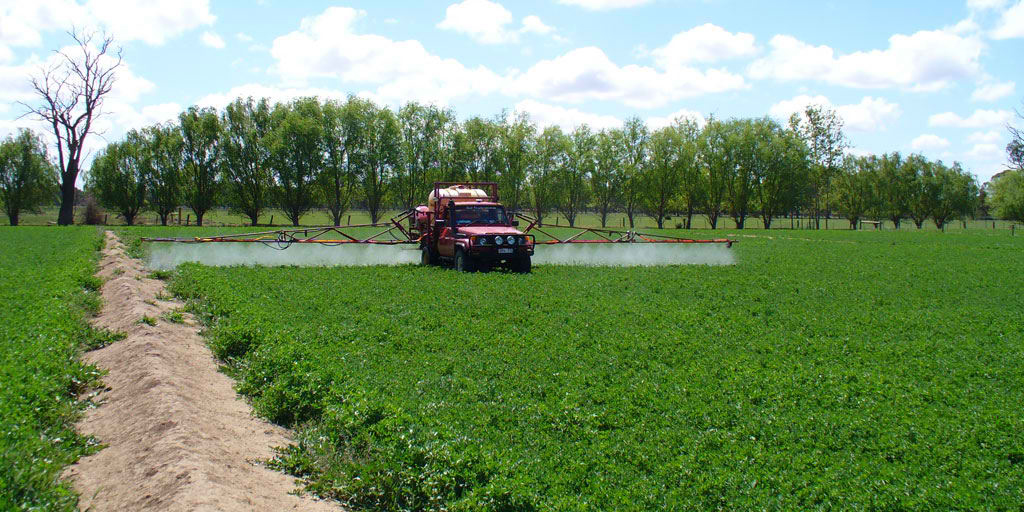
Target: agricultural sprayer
[{"x": 463, "y": 224}]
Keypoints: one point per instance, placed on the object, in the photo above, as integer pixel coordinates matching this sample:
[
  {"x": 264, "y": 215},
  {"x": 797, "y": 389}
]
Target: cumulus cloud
[
  {"x": 924, "y": 61},
  {"x": 993, "y": 91},
  {"x": 869, "y": 115},
  {"x": 482, "y": 20},
  {"x": 988, "y": 137},
  {"x": 979, "y": 5},
  {"x": 212, "y": 40},
  {"x": 153, "y": 22},
  {"x": 567, "y": 118},
  {"x": 1011, "y": 25},
  {"x": 587, "y": 73},
  {"x": 533, "y": 23},
  {"x": 979, "y": 119},
  {"x": 656, "y": 122},
  {"x": 603, "y": 5},
  {"x": 987, "y": 152},
  {"x": 928, "y": 142},
  {"x": 327, "y": 45},
  {"x": 706, "y": 43}
]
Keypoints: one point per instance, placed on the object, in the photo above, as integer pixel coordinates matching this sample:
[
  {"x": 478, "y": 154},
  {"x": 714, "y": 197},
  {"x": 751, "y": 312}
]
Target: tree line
[{"x": 307, "y": 153}]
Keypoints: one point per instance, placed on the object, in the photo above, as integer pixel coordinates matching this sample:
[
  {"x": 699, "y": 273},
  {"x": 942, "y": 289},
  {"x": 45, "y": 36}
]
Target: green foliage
[
  {"x": 42, "y": 332},
  {"x": 1007, "y": 195},
  {"x": 148, "y": 320},
  {"x": 883, "y": 381},
  {"x": 202, "y": 151},
  {"x": 27, "y": 178},
  {"x": 246, "y": 151},
  {"x": 296, "y": 155},
  {"x": 118, "y": 176}
]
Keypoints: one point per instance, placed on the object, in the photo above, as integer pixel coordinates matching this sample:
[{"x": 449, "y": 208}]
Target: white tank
[{"x": 458, "y": 193}]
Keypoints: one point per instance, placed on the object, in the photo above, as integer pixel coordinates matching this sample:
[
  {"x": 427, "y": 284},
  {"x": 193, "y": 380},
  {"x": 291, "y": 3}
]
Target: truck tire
[
  {"x": 427, "y": 256},
  {"x": 522, "y": 265},
  {"x": 463, "y": 263}
]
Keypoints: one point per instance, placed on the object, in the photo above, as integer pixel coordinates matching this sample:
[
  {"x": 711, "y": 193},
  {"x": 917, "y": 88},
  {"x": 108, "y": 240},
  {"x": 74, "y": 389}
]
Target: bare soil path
[{"x": 177, "y": 435}]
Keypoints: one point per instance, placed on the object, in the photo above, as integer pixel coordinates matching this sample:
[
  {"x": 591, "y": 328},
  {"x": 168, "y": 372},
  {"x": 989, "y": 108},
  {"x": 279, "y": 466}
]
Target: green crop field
[
  {"x": 825, "y": 370},
  {"x": 46, "y": 289}
]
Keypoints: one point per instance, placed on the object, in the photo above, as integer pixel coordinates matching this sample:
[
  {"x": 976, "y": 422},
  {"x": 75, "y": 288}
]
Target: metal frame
[{"x": 283, "y": 238}]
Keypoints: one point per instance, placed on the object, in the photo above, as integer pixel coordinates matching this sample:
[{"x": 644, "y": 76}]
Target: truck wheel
[
  {"x": 463, "y": 263},
  {"x": 427, "y": 257},
  {"x": 522, "y": 265}
]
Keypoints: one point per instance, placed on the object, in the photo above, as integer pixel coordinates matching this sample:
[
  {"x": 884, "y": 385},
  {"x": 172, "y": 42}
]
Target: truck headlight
[
  {"x": 499, "y": 240},
  {"x": 511, "y": 240}
]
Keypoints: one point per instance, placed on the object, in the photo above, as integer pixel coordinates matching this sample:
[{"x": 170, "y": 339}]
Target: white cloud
[
  {"x": 327, "y": 45},
  {"x": 1012, "y": 23},
  {"x": 706, "y": 43},
  {"x": 567, "y": 118},
  {"x": 986, "y": 151},
  {"x": 989, "y": 137},
  {"x": 924, "y": 61},
  {"x": 243, "y": 37},
  {"x": 979, "y": 5},
  {"x": 273, "y": 94},
  {"x": 655, "y": 122},
  {"x": 602, "y": 5},
  {"x": 482, "y": 20},
  {"x": 153, "y": 22},
  {"x": 993, "y": 91},
  {"x": 928, "y": 142},
  {"x": 533, "y": 24},
  {"x": 869, "y": 115},
  {"x": 587, "y": 74},
  {"x": 212, "y": 40},
  {"x": 979, "y": 119}
]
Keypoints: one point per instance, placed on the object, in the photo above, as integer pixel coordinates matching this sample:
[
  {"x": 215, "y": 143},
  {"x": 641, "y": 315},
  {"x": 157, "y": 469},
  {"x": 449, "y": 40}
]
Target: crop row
[
  {"x": 824, "y": 370},
  {"x": 46, "y": 288}
]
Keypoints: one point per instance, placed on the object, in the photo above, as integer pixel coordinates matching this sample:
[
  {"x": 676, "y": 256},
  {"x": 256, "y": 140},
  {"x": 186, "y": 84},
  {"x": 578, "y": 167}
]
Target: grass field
[
  {"x": 46, "y": 289},
  {"x": 825, "y": 370}
]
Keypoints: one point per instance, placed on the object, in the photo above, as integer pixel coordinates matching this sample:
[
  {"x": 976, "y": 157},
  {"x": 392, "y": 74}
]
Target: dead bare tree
[{"x": 71, "y": 92}]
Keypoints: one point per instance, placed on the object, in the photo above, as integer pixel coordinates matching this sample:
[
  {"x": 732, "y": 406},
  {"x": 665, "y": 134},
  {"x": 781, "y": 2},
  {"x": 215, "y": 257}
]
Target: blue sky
[{"x": 940, "y": 78}]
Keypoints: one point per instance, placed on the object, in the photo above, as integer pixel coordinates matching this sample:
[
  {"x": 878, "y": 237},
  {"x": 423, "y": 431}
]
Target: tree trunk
[
  {"x": 689, "y": 217},
  {"x": 604, "y": 217},
  {"x": 767, "y": 221},
  {"x": 853, "y": 223},
  {"x": 163, "y": 217},
  {"x": 919, "y": 223},
  {"x": 199, "y": 218},
  {"x": 629, "y": 213},
  {"x": 13, "y": 217},
  {"x": 66, "y": 217},
  {"x": 254, "y": 219}
]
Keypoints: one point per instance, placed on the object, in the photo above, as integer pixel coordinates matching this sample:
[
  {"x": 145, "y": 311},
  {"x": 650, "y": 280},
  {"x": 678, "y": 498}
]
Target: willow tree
[
  {"x": 376, "y": 152},
  {"x": 634, "y": 147},
  {"x": 515, "y": 150},
  {"x": 118, "y": 178},
  {"x": 27, "y": 178},
  {"x": 822, "y": 130},
  {"x": 165, "y": 179},
  {"x": 717, "y": 165},
  {"x": 605, "y": 180},
  {"x": 248, "y": 179},
  {"x": 549, "y": 157},
  {"x": 296, "y": 155},
  {"x": 202, "y": 153}
]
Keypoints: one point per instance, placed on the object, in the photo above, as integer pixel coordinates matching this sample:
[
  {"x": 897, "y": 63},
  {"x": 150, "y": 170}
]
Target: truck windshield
[{"x": 466, "y": 215}]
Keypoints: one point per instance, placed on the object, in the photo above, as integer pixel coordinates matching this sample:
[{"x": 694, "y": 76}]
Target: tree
[
  {"x": 822, "y": 130},
  {"x": 783, "y": 171},
  {"x": 337, "y": 180},
  {"x": 118, "y": 178},
  {"x": 917, "y": 172},
  {"x": 746, "y": 136},
  {"x": 71, "y": 92},
  {"x": 200, "y": 130},
  {"x": 514, "y": 154},
  {"x": 855, "y": 194},
  {"x": 550, "y": 153},
  {"x": 605, "y": 180},
  {"x": 572, "y": 179},
  {"x": 717, "y": 166},
  {"x": 296, "y": 155},
  {"x": 376, "y": 153},
  {"x": 1007, "y": 196},
  {"x": 421, "y": 128},
  {"x": 672, "y": 150},
  {"x": 1015, "y": 149},
  {"x": 482, "y": 144},
  {"x": 248, "y": 180},
  {"x": 27, "y": 178},
  {"x": 165, "y": 174},
  {"x": 895, "y": 187},
  {"x": 634, "y": 140}
]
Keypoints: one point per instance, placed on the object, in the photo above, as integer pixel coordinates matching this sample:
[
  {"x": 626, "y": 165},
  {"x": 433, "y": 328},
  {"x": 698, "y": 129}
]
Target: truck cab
[{"x": 465, "y": 225}]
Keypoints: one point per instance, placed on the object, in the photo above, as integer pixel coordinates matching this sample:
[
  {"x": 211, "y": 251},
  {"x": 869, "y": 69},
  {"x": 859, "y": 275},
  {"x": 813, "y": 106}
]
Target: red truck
[{"x": 464, "y": 224}]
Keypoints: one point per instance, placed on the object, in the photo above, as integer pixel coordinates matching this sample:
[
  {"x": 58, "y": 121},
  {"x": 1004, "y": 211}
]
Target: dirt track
[{"x": 177, "y": 435}]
